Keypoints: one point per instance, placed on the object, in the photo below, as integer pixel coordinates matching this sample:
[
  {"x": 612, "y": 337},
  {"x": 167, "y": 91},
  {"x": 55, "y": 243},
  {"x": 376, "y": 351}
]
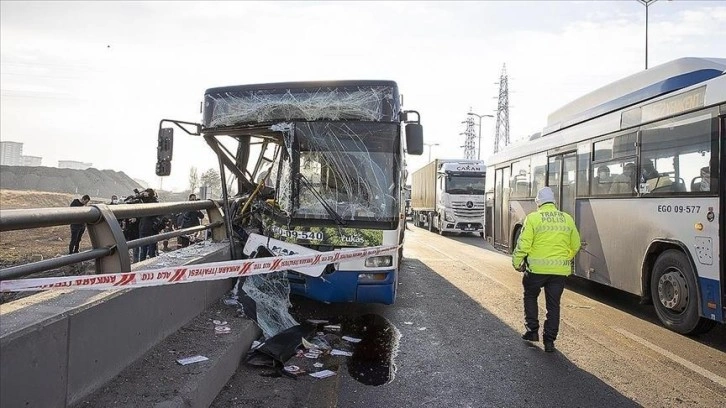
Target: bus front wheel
[{"x": 675, "y": 294}]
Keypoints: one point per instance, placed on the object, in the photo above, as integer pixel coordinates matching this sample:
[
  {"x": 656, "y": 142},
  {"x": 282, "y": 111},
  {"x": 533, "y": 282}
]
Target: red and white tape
[{"x": 194, "y": 273}]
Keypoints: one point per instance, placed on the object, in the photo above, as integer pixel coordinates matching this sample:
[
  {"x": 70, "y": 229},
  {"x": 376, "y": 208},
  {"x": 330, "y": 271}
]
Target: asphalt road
[{"x": 454, "y": 339}]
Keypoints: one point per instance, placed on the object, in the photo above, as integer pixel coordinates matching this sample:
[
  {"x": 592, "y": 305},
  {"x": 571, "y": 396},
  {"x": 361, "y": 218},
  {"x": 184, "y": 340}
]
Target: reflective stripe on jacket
[{"x": 549, "y": 240}]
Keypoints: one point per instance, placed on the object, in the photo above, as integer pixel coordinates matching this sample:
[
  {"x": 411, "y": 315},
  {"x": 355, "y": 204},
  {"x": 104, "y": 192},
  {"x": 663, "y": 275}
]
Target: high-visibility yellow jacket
[{"x": 549, "y": 239}]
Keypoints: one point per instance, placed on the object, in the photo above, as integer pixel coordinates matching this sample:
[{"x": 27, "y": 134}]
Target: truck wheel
[
  {"x": 441, "y": 230},
  {"x": 675, "y": 294},
  {"x": 430, "y": 219}
]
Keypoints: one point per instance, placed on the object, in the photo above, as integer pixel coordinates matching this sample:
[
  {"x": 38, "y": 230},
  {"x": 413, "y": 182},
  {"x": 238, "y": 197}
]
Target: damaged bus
[{"x": 318, "y": 166}]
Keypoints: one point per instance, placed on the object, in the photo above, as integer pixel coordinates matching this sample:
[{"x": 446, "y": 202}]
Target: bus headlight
[{"x": 379, "y": 261}]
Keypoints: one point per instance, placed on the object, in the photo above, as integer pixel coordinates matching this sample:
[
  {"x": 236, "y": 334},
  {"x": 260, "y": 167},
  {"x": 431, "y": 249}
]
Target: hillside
[{"x": 94, "y": 182}]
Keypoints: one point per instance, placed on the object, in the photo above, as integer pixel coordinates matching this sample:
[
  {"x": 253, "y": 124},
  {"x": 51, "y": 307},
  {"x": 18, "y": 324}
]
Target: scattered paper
[
  {"x": 351, "y": 339},
  {"x": 191, "y": 360},
  {"x": 230, "y": 302},
  {"x": 332, "y": 327},
  {"x": 318, "y": 365},
  {"x": 219, "y": 322},
  {"x": 341, "y": 353},
  {"x": 323, "y": 374},
  {"x": 311, "y": 355},
  {"x": 422, "y": 328},
  {"x": 222, "y": 329},
  {"x": 407, "y": 322}
]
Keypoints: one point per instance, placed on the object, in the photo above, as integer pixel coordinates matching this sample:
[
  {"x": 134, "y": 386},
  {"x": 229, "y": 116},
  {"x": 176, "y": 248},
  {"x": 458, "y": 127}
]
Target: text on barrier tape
[{"x": 194, "y": 273}]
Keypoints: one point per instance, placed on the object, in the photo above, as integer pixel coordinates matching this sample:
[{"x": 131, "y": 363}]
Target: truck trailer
[{"x": 447, "y": 195}]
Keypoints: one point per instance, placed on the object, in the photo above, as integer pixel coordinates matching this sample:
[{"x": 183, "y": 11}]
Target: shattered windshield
[
  {"x": 465, "y": 185},
  {"x": 351, "y": 166}
]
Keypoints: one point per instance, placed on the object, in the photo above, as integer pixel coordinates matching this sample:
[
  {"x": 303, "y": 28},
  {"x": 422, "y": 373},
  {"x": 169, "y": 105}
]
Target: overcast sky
[{"x": 89, "y": 81}]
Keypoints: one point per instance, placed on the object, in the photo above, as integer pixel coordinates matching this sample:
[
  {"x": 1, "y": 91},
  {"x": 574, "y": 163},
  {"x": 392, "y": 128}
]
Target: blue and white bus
[
  {"x": 640, "y": 166},
  {"x": 323, "y": 163}
]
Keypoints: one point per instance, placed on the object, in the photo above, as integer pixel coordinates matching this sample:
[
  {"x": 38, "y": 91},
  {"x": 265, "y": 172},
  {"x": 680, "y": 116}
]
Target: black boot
[{"x": 531, "y": 335}]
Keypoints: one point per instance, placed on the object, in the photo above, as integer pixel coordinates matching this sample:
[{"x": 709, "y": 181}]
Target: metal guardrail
[{"x": 110, "y": 248}]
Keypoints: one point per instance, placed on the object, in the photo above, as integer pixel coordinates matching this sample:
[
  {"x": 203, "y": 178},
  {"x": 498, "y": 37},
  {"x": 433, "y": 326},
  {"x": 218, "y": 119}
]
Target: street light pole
[
  {"x": 430, "y": 145},
  {"x": 478, "y": 150},
  {"x": 646, "y": 3}
]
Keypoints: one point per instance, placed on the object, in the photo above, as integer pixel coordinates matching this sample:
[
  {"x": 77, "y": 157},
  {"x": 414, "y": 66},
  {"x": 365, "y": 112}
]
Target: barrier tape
[{"x": 194, "y": 273}]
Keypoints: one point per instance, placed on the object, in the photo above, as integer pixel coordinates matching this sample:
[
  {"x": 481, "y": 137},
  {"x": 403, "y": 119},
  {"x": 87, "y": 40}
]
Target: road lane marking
[{"x": 685, "y": 363}]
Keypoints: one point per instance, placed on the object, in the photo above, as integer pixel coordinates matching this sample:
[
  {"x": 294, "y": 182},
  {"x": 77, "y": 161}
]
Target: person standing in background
[{"x": 77, "y": 230}]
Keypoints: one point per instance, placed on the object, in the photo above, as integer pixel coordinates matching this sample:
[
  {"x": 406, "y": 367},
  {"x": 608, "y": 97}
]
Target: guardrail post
[
  {"x": 216, "y": 214},
  {"x": 107, "y": 233}
]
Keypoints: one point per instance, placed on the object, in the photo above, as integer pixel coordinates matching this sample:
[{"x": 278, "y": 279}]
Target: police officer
[{"x": 544, "y": 252}]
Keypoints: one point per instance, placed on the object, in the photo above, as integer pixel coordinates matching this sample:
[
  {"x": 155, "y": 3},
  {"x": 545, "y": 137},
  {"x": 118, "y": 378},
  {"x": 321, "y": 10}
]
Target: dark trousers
[
  {"x": 77, "y": 231},
  {"x": 147, "y": 251},
  {"x": 553, "y": 285}
]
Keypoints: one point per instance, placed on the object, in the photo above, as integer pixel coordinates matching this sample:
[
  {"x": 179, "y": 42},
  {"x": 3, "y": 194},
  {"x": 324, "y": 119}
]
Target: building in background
[
  {"x": 11, "y": 154},
  {"x": 72, "y": 164},
  {"x": 32, "y": 161}
]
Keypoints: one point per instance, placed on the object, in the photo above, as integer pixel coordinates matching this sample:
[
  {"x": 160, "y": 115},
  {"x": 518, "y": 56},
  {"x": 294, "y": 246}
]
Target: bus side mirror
[
  {"x": 163, "y": 168},
  {"x": 164, "y": 150},
  {"x": 414, "y": 139}
]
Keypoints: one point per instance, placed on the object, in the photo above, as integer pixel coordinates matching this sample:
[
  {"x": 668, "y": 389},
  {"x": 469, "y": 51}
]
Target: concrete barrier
[{"x": 63, "y": 345}]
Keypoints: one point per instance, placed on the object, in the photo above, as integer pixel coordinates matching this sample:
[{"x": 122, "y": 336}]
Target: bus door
[
  {"x": 501, "y": 207},
  {"x": 562, "y": 174}
]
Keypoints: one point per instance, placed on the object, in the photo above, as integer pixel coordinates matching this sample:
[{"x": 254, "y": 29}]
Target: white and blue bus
[
  {"x": 640, "y": 166},
  {"x": 331, "y": 158}
]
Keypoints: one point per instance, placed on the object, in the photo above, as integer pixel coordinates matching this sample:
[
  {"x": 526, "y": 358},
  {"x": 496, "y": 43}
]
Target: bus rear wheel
[{"x": 675, "y": 294}]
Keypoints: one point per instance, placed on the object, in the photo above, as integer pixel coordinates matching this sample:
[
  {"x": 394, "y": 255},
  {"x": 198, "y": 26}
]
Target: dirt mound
[
  {"x": 13, "y": 199},
  {"x": 94, "y": 182}
]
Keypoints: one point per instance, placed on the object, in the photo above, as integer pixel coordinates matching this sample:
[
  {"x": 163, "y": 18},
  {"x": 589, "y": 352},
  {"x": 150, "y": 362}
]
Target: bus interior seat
[{"x": 696, "y": 183}]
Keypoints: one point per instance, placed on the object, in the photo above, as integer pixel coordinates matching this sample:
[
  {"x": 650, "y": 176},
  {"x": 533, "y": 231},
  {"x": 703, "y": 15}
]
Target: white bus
[{"x": 640, "y": 166}]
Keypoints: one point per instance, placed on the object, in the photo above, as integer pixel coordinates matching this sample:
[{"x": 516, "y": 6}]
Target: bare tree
[
  {"x": 211, "y": 179},
  {"x": 193, "y": 180}
]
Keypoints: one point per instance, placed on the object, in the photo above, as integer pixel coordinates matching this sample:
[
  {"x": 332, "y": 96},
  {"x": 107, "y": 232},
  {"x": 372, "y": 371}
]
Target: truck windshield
[
  {"x": 465, "y": 185},
  {"x": 351, "y": 166}
]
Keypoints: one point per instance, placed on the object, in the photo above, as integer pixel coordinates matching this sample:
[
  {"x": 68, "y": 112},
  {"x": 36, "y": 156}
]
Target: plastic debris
[
  {"x": 222, "y": 329},
  {"x": 332, "y": 327},
  {"x": 323, "y": 374},
  {"x": 294, "y": 370},
  {"x": 336, "y": 352},
  {"x": 311, "y": 355},
  {"x": 219, "y": 322},
  {"x": 316, "y": 321},
  {"x": 351, "y": 339},
  {"x": 318, "y": 365},
  {"x": 408, "y": 323},
  {"x": 191, "y": 360}
]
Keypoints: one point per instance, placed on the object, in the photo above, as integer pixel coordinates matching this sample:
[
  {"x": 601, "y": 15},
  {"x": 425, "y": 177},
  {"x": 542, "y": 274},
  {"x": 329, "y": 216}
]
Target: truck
[{"x": 447, "y": 195}]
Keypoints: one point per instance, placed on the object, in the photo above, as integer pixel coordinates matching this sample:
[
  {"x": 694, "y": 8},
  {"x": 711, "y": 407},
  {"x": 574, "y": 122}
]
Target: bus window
[
  {"x": 553, "y": 176},
  {"x": 539, "y": 170},
  {"x": 677, "y": 156},
  {"x": 623, "y": 175},
  {"x": 520, "y": 182},
  {"x": 583, "y": 169}
]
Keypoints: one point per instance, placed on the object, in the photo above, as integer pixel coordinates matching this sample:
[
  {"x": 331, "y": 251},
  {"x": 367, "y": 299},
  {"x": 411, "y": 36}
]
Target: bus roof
[
  {"x": 644, "y": 85},
  {"x": 302, "y": 85}
]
